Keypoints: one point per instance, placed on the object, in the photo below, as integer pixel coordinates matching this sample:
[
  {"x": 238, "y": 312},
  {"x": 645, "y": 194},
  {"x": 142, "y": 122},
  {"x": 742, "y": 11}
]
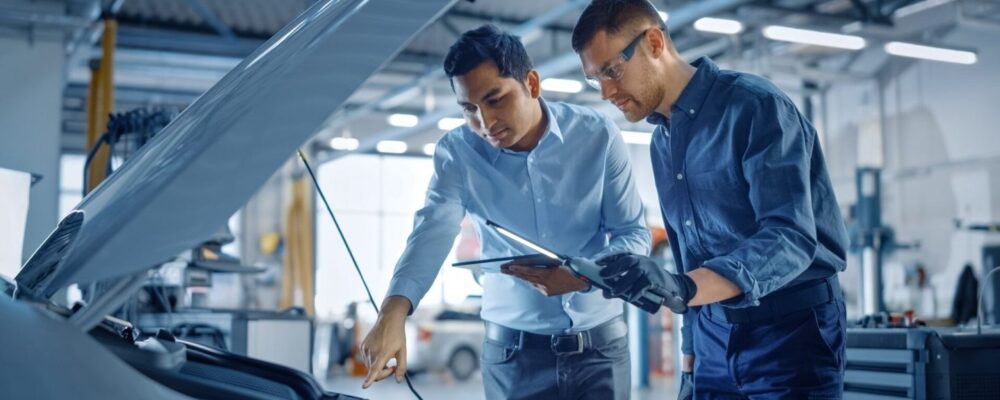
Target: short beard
[{"x": 651, "y": 98}]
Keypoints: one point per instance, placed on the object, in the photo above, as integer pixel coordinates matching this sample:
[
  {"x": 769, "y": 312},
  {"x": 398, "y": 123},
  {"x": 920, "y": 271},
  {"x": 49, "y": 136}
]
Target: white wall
[
  {"x": 941, "y": 156},
  {"x": 31, "y": 81}
]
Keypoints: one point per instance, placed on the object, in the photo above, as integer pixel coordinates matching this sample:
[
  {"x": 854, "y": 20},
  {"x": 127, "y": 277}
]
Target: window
[
  {"x": 374, "y": 198},
  {"x": 70, "y": 182}
]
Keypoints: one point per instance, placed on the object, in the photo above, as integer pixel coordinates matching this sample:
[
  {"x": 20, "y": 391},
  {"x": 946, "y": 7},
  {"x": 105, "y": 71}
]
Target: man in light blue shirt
[{"x": 558, "y": 174}]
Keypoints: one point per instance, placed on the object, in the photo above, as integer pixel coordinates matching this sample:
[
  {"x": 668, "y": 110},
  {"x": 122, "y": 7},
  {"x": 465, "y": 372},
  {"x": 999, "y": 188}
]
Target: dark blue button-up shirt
[{"x": 743, "y": 186}]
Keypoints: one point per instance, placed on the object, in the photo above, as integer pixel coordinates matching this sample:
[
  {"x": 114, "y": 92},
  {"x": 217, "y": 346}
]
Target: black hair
[
  {"x": 488, "y": 43},
  {"x": 612, "y": 16}
]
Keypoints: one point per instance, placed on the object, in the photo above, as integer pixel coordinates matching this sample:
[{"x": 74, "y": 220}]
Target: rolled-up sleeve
[
  {"x": 621, "y": 207},
  {"x": 435, "y": 227},
  {"x": 777, "y": 170}
]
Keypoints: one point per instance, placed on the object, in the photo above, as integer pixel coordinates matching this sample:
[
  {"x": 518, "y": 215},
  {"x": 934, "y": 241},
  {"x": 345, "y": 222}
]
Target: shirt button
[
  {"x": 691, "y": 111},
  {"x": 688, "y": 223},
  {"x": 680, "y": 176}
]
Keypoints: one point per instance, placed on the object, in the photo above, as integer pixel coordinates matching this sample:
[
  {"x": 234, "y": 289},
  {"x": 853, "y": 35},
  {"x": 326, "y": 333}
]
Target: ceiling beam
[
  {"x": 405, "y": 92},
  {"x": 211, "y": 19},
  {"x": 185, "y": 42},
  {"x": 558, "y": 65},
  {"x": 487, "y": 18}
]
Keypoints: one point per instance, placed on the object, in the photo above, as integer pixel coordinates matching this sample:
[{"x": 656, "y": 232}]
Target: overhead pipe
[{"x": 58, "y": 21}]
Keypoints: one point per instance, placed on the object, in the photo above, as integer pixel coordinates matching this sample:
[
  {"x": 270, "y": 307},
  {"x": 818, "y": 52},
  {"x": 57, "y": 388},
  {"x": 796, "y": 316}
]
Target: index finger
[{"x": 375, "y": 369}]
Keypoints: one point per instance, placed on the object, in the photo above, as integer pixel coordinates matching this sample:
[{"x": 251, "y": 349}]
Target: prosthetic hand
[{"x": 631, "y": 277}]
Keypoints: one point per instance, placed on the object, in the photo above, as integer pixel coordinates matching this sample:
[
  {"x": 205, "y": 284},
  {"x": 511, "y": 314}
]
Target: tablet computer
[
  {"x": 583, "y": 268},
  {"x": 527, "y": 259}
]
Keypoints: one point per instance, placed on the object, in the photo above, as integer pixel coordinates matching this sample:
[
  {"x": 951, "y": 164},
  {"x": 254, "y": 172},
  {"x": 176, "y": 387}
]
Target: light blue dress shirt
[{"x": 574, "y": 193}]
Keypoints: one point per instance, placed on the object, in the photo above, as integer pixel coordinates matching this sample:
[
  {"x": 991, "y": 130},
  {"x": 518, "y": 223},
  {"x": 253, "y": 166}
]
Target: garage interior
[{"x": 900, "y": 94}]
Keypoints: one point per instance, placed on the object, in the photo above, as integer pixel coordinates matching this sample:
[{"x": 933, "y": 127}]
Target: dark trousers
[
  {"x": 797, "y": 356},
  {"x": 600, "y": 372}
]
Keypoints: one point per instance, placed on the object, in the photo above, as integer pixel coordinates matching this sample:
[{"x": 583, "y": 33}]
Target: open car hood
[{"x": 178, "y": 189}]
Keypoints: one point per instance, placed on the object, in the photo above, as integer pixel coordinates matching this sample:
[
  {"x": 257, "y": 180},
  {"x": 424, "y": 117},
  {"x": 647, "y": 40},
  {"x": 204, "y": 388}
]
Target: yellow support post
[
  {"x": 298, "y": 272},
  {"x": 100, "y": 104}
]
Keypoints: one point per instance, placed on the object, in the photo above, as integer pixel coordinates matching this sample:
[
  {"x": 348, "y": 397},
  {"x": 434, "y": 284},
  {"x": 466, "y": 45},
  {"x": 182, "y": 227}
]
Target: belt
[
  {"x": 782, "y": 302},
  {"x": 572, "y": 343}
]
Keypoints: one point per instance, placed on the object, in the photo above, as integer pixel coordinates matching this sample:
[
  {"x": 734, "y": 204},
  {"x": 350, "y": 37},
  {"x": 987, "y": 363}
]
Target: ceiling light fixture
[
  {"x": 403, "y": 120},
  {"x": 447, "y": 124},
  {"x": 932, "y": 53},
  {"x": 562, "y": 85},
  {"x": 344, "y": 143},
  {"x": 805, "y": 36},
  {"x": 718, "y": 25},
  {"x": 391, "y": 147}
]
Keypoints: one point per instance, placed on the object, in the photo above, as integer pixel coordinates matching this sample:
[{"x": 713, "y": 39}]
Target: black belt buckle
[{"x": 568, "y": 344}]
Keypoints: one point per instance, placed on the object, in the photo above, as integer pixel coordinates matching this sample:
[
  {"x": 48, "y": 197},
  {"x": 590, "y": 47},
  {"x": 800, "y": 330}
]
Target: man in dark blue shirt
[{"x": 749, "y": 209}]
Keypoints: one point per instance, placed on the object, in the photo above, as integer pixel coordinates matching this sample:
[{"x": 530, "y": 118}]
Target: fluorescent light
[
  {"x": 930, "y": 53},
  {"x": 633, "y": 137},
  {"x": 391, "y": 147},
  {"x": 344, "y": 143},
  {"x": 429, "y": 149},
  {"x": 664, "y": 16},
  {"x": 852, "y": 27},
  {"x": 403, "y": 120},
  {"x": 447, "y": 124},
  {"x": 718, "y": 25},
  {"x": 531, "y": 37},
  {"x": 562, "y": 85},
  {"x": 805, "y": 36}
]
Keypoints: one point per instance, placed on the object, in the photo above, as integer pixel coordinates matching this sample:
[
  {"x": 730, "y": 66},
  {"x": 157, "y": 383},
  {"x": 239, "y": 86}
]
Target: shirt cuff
[
  {"x": 604, "y": 253},
  {"x": 687, "y": 327},
  {"x": 409, "y": 291},
  {"x": 736, "y": 272},
  {"x": 607, "y": 252}
]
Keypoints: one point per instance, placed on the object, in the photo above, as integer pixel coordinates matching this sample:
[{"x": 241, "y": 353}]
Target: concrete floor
[{"x": 441, "y": 386}]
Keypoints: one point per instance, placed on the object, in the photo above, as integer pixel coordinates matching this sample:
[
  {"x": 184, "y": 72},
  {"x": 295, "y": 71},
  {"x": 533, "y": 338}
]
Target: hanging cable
[{"x": 350, "y": 253}]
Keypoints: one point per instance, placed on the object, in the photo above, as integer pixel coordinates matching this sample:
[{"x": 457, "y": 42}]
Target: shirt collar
[
  {"x": 553, "y": 124},
  {"x": 694, "y": 94}
]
